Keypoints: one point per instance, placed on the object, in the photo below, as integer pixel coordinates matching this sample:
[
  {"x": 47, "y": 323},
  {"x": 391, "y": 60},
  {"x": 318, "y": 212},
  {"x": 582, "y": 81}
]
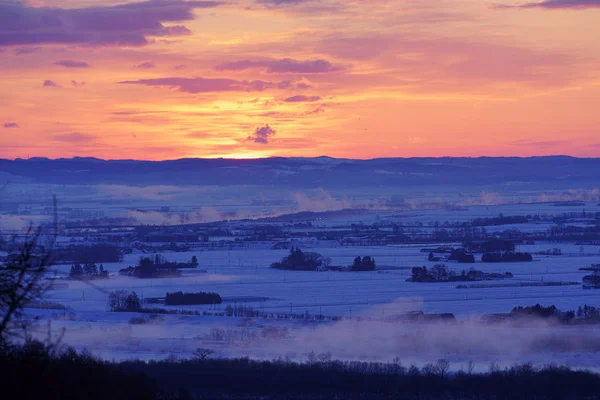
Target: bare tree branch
[{"x": 22, "y": 277}]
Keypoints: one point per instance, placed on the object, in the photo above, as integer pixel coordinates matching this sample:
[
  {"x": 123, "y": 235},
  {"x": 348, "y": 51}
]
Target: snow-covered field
[
  {"x": 245, "y": 274},
  {"x": 363, "y": 300}
]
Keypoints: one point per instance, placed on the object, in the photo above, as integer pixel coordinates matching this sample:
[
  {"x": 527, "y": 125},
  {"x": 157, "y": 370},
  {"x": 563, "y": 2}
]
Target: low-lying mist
[{"x": 361, "y": 338}]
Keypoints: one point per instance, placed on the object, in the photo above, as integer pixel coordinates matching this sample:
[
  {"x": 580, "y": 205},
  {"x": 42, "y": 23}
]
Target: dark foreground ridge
[
  {"x": 554, "y": 172},
  {"x": 33, "y": 372}
]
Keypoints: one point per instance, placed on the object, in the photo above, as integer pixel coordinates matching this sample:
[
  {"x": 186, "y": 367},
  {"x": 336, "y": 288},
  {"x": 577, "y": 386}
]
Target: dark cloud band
[
  {"x": 123, "y": 25},
  {"x": 557, "y": 4}
]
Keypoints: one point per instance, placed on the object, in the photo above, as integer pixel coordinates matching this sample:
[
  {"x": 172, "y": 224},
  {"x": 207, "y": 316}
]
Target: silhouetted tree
[
  {"x": 442, "y": 366},
  {"x": 90, "y": 268},
  {"x": 122, "y": 300},
  {"x": 76, "y": 270},
  {"x": 180, "y": 298},
  {"x": 132, "y": 302},
  {"x": 22, "y": 278},
  {"x": 301, "y": 261},
  {"x": 365, "y": 263},
  {"x": 201, "y": 354}
]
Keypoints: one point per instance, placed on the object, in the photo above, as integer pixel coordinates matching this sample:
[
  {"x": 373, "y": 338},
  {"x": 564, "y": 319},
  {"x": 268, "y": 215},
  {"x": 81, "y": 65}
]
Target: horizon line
[{"x": 296, "y": 157}]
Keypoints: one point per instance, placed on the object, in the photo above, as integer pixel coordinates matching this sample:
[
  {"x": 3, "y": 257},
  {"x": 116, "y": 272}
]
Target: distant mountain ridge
[{"x": 552, "y": 171}]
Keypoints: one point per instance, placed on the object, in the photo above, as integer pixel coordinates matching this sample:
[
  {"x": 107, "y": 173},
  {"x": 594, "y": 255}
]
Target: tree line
[
  {"x": 440, "y": 273},
  {"x": 298, "y": 260},
  {"x": 583, "y": 315},
  {"x": 184, "y": 299},
  {"x": 157, "y": 266},
  {"x": 67, "y": 374},
  {"x": 88, "y": 271}
]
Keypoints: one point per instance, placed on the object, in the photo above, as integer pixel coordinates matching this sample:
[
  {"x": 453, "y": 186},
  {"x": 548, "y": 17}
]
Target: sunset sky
[{"x": 167, "y": 79}]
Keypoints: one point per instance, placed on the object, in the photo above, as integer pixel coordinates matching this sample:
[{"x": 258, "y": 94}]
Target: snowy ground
[
  {"x": 376, "y": 295},
  {"x": 245, "y": 273}
]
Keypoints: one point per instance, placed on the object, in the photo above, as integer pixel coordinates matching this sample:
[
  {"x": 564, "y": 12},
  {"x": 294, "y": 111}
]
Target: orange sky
[{"x": 168, "y": 79}]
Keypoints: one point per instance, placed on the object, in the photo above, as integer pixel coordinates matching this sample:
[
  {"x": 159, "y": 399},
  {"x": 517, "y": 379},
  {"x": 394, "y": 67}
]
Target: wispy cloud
[
  {"x": 72, "y": 64},
  {"x": 285, "y": 65},
  {"x": 19, "y": 51},
  {"x": 208, "y": 85},
  {"x": 145, "y": 65},
  {"x": 555, "y": 4},
  {"x": 302, "y": 99},
  {"x": 282, "y": 2},
  {"x": 8, "y": 125},
  {"x": 540, "y": 143},
  {"x": 49, "y": 83}
]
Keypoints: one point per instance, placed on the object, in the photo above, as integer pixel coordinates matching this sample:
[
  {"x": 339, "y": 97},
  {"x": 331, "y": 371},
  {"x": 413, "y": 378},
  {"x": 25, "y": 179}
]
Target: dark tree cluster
[
  {"x": 461, "y": 256},
  {"x": 591, "y": 281},
  {"x": 365, "y": 263},
  {"x": 538, "y": 311},
  {"x": 493, "y": 245},
  {"x": 89, "y": 271},
  {"x": 239, "y": 310},
  {"x": 160, "y": 261},
  {"x": 157, "y": 267},
  {"x": 96, "y": 253},
  {"x": 500, "y": 220},
  {"x": 298, "y": 260},
  {"x": 506, "y": 257},
  {"x": 184, "y": 299},
  {"x": 440, "y": 273},
  {"x": 588, "y": 314},
  {"x": 33, "y": 370},
  {"x": 124, "y": 301},
  {"x": 584, "y": 315}
]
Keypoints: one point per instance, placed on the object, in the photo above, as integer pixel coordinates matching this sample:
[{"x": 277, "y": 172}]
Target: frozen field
[
  {"x": 363, "y": 300},
  {"x": 243, "y": 276},
  {"x": 246, "y": 273}
]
